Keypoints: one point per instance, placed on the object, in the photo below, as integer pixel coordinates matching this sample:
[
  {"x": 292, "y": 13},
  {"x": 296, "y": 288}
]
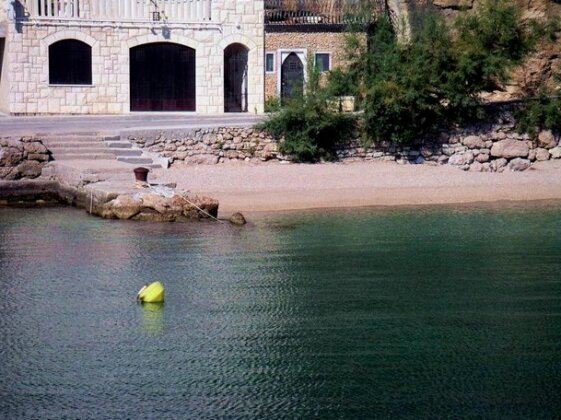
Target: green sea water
[{"x": 405, "y": 313}]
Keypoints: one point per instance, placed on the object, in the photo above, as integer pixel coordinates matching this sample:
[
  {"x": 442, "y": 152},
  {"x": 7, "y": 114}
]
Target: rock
[
  {"x": 547, "y": 140},
  {"x": 555, "y": 152},
  {"x": 420, "y": 160},
  {"x": 443, "y": 160},
  {"x": 542, "y": 155},
  {"x": 29, "y": 169},
  {"x": 461, "y": 159},
  {"x": 202, "y": 160},
  {"x": 123, "y": 207},
  {"x": 498, "y": 165},
  {"x": 9, "y": 173},
  {"x": 482, "y": 158},
  {"x": 510, "y": 149},
  {"x": 40, "y": 157},
  {"x": 474, "y": 142},
  {"x": 238, "y": 219},
  {"x": 35, "y": 147},
  {"x": 518, "y": 165},
  {"x": 476, "y": 167},
  {"x": 10, "y": 156}
]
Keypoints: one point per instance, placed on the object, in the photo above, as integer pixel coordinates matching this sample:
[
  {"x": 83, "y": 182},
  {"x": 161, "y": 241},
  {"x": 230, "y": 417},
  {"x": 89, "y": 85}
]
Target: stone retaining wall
[
  {"x": 209, "y": 146},
  {"x": 484, "y": 148},
  {"x": 22, "y": 158}
]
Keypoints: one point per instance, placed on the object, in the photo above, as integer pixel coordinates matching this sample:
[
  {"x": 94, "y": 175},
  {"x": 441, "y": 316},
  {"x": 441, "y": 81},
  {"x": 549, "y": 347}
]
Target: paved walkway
[{"x": 10, "y": 125}]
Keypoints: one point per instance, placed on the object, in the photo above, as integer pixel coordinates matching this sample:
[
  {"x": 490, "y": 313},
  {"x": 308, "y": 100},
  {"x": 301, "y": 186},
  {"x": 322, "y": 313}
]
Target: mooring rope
[{"x": 200, "y": 209}]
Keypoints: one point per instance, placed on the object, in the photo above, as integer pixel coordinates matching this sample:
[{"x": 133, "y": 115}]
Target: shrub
[
  {"x": 412, "y": 89},
  {"x": 311, "y": 129},
  {"x": 544, "y": 113}
]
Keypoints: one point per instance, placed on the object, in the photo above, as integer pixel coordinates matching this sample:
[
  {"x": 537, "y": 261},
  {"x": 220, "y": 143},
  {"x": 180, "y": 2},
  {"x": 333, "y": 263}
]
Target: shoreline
[
  {"x": 276, "y": 188},
  {"x": 267, "y": 189}
]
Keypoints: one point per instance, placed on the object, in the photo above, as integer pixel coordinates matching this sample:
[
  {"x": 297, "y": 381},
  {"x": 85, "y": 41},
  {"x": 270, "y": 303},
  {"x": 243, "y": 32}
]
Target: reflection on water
[
  {"x": 411, "y": 313},
  {"x": 152, "y": 318}
]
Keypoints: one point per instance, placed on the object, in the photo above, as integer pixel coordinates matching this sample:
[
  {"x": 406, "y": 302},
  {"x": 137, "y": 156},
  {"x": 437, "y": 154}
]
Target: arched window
[{"x": 70, "y": 63}]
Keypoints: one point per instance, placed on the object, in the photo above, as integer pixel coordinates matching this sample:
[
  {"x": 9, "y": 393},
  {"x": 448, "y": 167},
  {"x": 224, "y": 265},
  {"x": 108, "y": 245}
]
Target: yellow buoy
[{"x": 151, "y": 293}]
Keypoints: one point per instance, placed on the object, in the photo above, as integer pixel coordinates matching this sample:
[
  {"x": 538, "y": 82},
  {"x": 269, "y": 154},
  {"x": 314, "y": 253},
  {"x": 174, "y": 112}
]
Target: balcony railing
[
  {"x": 327, "y": 12},
  {"x": 120, "y": 10}
]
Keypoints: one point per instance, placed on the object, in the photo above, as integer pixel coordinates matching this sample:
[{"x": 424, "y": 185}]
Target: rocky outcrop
[
  {"x": 158, "y": 206},
  {"x": 22, "y": 158}
]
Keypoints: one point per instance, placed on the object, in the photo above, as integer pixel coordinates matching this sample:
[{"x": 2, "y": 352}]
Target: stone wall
[
  {"x": 484, "y": 148},
  {"x": 307, "y": 42},
  {"x": 30, "y": 92},
  {"x": 22, "y": 158},
  {"x": 209, "y": 146}
]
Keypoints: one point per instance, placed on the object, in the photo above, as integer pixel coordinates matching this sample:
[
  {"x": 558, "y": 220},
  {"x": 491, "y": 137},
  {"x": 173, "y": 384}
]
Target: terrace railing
[
  {"x": 327, "y": 12},
  {"x": 120, "y": 10}
]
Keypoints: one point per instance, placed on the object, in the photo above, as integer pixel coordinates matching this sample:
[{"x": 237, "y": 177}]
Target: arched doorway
[
  {"x": 235, "y": 78},
  {"x": 292, "y": 76},
  {"x": 162, "y": 77}
]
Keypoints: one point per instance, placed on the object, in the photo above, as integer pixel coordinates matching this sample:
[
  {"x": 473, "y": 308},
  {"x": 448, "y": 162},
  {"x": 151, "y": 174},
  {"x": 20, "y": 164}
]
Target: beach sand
[{"x": 278, "y": 187}]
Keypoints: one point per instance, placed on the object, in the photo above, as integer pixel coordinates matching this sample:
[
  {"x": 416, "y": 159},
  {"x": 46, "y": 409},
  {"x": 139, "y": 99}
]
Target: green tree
[{"x": 434, "y": 80}]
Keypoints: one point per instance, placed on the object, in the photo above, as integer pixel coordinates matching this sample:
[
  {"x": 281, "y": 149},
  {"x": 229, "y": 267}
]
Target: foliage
[
  {"x": 272, "y": 104},
  {"x": 543, "y": 113},
  {"x": 411, "y": 89},
  {"x": 340, "y": 83},
  {"x": 310, "y": 128}
]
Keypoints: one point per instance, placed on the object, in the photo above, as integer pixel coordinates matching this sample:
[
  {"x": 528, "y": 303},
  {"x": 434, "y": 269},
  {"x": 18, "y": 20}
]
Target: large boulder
[{"x": 510, "y": 149}]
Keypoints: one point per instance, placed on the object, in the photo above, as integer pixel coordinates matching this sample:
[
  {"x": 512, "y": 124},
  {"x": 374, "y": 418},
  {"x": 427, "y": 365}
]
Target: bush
[
  {"x": 544, "y": 113},
  {"x": 311, "y": 129},
  {"x": 413, "y": 89}
]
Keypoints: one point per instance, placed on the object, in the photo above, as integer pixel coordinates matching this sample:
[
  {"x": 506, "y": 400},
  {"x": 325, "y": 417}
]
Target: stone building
[
  {"x": 118, "y": 56},
  {"x": 204, "y": 56},
  {"x": 300, "y": 32}
]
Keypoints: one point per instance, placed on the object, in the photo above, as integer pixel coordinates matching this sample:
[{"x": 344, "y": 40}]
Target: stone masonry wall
[
  {"x": 22, "y": 158},
  {"x": 485, "y": 148},
  {"x": 30, "y": 92},
  {"x": 313, "y": 42}
]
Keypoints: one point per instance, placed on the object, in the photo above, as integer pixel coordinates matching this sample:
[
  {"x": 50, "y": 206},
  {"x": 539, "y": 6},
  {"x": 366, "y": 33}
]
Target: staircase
[{"x": 98, "y": 147}]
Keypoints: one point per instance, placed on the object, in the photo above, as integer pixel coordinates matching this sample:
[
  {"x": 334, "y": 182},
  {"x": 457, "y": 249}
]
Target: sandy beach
[{"x": 282, "y": 187}]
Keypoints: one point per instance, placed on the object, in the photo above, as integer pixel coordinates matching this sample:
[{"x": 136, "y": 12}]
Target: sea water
[{"x": 403, "y": 313}]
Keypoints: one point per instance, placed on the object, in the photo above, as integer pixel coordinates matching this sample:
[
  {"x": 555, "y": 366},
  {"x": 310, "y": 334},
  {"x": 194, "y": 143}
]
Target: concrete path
[{"x": 10, "y": 125}]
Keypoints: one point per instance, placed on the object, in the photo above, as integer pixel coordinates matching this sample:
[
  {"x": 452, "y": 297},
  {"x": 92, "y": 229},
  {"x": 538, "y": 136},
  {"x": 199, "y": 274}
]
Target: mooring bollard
[{"x": 141, "y": 174}]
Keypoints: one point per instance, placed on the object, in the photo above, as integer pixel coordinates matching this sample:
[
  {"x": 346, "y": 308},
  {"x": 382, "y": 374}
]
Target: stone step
[
  {"x": 115, "y": 137},
  {"x": 135, "y": 160},
  {"x": 126, "y": 152},
  {"x": 69, "y": 139},
  {"x": 119, "y": 144},
  {"x": 91, "y": 156},
  {"x": 77, "y": 145},
  {"x": 83, "y": 150}
]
